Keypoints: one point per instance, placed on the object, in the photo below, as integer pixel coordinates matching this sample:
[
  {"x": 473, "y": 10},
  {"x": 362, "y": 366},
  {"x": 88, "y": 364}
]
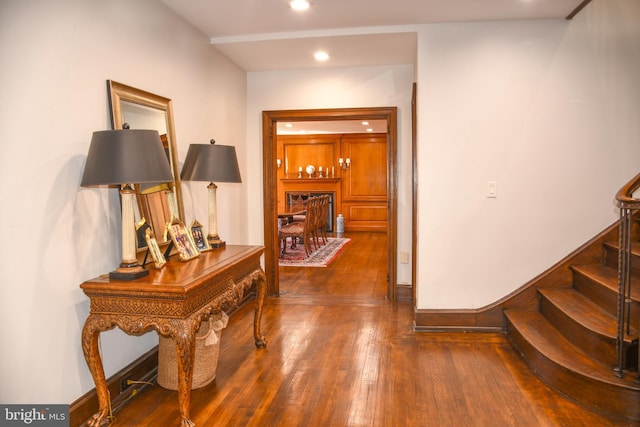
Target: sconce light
[
  {"x": 278, "y": 163},
  {"x": 344, "y": 164},
  {"x": 210, "y": 162},
  {"x": 125, "y": 157}
]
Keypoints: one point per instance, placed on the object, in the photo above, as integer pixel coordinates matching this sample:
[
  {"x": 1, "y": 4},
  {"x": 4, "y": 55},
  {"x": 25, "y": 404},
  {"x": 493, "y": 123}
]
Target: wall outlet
[
  {"x": 404, "y": 257},
  {"x": 124, "y": 384}
]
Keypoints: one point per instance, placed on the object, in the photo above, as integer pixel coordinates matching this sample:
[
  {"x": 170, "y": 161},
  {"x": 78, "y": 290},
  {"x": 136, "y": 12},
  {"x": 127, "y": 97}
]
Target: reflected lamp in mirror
[
  {"x": 125, "y": 157},
  {"x": 211, "y": 162}
]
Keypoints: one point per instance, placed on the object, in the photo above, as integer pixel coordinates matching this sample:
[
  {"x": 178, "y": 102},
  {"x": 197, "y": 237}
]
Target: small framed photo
[
  {"x": 183, "y": 240},
  {"x": 141, "y": 231},
  {"x": 154, "y": 249},
  {"x": 199, "y": 236}
]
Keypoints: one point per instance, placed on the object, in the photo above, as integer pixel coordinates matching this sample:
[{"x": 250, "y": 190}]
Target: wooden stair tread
[
  {"x": 608, "y": 277},
  {"x": 584, "y": 311},
  {"x": 548, "y": 341},
  {"x": 635, "y": 247}
]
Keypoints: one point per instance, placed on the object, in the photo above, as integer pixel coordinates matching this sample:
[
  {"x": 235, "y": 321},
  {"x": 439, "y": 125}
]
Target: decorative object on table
[
  {"x": 125, "y": 157},
  {"x": 340, "y": 224},
  {"x": 320, "y": 172},
  {"x": 199, "y": 236},
  {"x": 300, "y": 172},
  {"x": 182, "y": 240},
  {"x": 154, "y": 249},
  {"x": 211, "y": 162},
  {"x": 310, "y": 170},
  {"x": 321, "y": 257},
  {"x": 205, "y": 359},
  {"x": 344, "y": 164},
  {"x": 141, "y": 232},
  {"x": 140, "y": 109}
]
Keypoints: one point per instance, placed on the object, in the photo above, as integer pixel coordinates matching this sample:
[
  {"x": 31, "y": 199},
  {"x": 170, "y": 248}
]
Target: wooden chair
[
  {"x": 302, "y": 230},
  {"x": 319, "y": 233},
  {"x": 322, "y": 220},
  {"x": 297, "y": 201}
]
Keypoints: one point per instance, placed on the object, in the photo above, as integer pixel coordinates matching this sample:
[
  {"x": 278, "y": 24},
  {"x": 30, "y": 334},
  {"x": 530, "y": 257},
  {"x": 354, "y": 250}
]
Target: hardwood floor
[{"x": 339, "y": 354}]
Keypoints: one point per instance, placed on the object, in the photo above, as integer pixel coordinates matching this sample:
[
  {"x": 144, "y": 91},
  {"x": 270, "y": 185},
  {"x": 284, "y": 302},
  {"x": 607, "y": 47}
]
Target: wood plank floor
[{"x": 339, "y": 354}]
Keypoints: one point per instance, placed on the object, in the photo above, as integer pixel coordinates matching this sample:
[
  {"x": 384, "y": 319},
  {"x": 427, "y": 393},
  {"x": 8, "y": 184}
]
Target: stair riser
[
  {"x": 600, "y": 347},
  {"x": 605, "y": 398},
  {"x": 611, "y": 259},
  {"x": 601, "y": 295}
]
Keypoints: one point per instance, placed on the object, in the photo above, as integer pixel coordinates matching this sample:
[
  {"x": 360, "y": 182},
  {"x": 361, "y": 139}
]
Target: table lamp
[
  {"x": 125, "y": 157},
  {"x": 210, "y": 162}
]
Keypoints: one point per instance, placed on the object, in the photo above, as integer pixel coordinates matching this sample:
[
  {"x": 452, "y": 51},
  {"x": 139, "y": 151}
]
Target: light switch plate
[{"x": 492, "y": 191}]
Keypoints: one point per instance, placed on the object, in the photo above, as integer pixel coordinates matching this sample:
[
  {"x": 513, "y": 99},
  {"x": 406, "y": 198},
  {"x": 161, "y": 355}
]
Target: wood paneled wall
[{"x": 360, "y": 191}]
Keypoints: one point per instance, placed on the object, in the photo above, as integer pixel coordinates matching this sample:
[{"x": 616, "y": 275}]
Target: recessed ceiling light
[
  {"x": 365, "y": 123},
  {"x": 321, "y": 56},
  {"x": 288, "y": 125},
  {"x": 299, "y": 4},
  {"x": 369, "y": 130}
]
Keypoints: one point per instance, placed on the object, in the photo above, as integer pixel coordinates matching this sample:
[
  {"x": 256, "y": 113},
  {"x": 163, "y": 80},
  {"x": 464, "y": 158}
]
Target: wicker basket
[{"x": 206, "y": 354}]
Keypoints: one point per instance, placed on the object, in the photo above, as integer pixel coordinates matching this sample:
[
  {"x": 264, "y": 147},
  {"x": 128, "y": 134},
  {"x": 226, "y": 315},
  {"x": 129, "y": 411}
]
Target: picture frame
[
  {"x": 154, "y": 249},
  {"x": 141, "y": 231},
  {"x": 199, "y": 236},
  {"x": 182, "y": 240}
]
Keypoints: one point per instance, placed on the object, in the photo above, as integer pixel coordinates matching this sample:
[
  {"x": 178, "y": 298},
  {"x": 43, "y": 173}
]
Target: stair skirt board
[{"x": 592, "y": 386}]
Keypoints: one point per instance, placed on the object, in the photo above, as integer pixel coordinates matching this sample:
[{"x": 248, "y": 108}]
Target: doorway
[{"x": 270, "y": 120}]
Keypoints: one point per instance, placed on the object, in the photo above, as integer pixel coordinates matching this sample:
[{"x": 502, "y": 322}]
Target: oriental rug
[{"x": 321, "y": 257}]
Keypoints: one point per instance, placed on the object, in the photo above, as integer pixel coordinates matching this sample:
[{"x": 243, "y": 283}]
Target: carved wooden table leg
[
  {"x": 261, "y": 288},
  {"x": 184, "y": 335},
  {"x": 90, "y": 333}
]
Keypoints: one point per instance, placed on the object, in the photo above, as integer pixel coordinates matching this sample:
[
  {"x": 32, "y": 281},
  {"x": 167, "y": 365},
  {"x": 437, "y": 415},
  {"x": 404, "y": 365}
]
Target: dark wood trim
[
  {"x": 414, "y": 199},
  {"x": 269, "y": 121},
  {"x": 404, "y": 292},
  {"x": 269, "y": 200},
  {"x": 575, "y": 11},
  {"x": 491, "y": 317}
]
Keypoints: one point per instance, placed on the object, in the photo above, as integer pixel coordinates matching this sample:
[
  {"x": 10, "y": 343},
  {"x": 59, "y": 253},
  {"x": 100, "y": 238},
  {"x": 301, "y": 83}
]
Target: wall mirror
[{"x": 143, "y": 110}]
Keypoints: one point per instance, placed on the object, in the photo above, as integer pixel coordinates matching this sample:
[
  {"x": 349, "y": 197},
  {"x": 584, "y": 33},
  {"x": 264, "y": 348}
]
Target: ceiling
[
  {"x": 267, "y": 35},
  {"x": 263, "y": 35}
]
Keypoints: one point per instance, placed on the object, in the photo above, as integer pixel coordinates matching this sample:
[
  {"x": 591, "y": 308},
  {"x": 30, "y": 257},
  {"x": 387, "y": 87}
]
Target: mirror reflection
[{"x": 137, "y": 109}]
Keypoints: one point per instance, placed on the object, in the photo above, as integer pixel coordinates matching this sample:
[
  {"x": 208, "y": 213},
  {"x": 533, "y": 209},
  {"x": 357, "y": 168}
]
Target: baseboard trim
[
  {"x": 404, "y": 292},
  {"x": 435, "y": 328},
  {"x": 143, "y": 369}
]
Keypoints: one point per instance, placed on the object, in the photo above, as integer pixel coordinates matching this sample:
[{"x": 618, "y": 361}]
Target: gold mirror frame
[{"x": 119, "y": 96}]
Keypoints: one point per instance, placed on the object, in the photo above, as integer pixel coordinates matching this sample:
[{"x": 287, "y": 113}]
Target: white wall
[
  {"x": 56, "y": 57},
  {"x": 384, "y": 86},
  {"x": 547, "y": 109}
]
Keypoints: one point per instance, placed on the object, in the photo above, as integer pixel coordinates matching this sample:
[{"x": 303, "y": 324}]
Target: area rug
[{"x": 318, "y": 258}]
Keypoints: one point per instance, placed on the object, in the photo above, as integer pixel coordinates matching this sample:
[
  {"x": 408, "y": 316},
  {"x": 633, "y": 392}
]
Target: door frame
[{"x": 269, "y": 171}]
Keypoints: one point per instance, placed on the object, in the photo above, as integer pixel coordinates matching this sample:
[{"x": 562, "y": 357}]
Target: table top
[
  {"x": 292, "y": 213},
  {"x": 180, "y": 277}
]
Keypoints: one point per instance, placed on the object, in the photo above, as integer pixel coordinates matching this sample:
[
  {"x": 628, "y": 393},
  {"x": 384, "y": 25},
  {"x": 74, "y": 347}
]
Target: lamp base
[
  {"x": 215, "y": 242},
  {"x": 128, "y": 273}
]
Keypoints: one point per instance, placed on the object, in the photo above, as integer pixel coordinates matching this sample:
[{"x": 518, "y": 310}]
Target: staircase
[{"x": 571, "y": 340}]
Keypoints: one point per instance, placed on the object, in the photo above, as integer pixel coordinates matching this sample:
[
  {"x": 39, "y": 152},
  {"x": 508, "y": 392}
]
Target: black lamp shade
[
  {"x": 211, "y": 162},
  {"x": 126, "y": 156}
]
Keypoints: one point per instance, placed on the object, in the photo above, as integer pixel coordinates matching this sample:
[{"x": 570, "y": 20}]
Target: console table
[{"x": 173, "y": 301}]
